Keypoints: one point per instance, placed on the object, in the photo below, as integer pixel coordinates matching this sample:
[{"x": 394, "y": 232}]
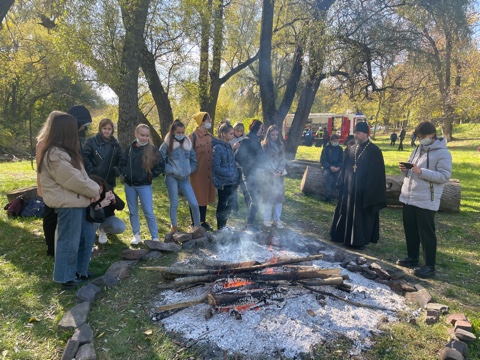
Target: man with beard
[{"x": 362, "y": 193}]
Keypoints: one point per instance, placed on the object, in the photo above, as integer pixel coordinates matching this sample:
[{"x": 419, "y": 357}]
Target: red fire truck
[{"x": 340, "y": 124}]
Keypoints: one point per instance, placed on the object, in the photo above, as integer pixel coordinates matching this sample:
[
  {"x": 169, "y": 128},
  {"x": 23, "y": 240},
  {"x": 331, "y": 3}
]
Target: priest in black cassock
[{"x": 362, "y": 193}]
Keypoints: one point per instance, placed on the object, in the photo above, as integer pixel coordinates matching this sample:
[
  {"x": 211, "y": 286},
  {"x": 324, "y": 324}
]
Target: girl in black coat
[{"x": 102, "y": 154}]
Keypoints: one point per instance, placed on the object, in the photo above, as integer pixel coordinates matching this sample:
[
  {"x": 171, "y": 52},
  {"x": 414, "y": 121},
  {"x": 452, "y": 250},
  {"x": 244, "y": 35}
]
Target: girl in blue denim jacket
[
  {"x": 180, "y": 161},
  {"x": 225, "y": 174}
]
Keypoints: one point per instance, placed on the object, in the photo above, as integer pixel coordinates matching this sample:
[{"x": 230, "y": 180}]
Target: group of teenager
[
  {"x": 359, "y": 179},
  {"x": 77, "y": 176}
]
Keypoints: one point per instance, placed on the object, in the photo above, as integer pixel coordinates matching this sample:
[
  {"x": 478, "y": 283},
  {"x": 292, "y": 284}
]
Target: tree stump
[
  {"x": 28, "y": 194},
  {"x": 449, "y": 202},
  {"x": 313, "y": 182}
]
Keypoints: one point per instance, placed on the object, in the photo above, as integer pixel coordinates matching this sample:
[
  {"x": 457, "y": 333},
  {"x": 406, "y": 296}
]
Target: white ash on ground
[{"x": 290, "y": 327}]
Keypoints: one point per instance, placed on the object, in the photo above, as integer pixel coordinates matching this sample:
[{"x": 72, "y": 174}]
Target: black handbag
[{"x": 96, "y": 216}]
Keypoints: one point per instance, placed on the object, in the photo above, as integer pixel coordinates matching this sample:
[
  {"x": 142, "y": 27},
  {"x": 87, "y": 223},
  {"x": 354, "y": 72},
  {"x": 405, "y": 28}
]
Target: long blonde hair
[{"x": 150, "y": 155}]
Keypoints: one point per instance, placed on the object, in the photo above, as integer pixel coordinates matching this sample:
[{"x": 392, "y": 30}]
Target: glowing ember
[{"x": 236, "y": 283}]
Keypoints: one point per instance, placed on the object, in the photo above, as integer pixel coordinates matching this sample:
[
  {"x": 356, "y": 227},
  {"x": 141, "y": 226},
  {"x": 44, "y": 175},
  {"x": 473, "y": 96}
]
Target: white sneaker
[
  {"x": 155, "y": 239},
  {"x": 267, "y": 224},
  {"x": 102, "y": 237},
  {"x": 136, "y": 239},
  {"x": 227, "y": 228},
  {"x": 278, "y": 224}
]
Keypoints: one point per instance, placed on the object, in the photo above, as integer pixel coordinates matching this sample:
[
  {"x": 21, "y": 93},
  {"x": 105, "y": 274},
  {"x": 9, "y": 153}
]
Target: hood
[
  {"x": 187, "y": 143},
  {"x": 440, "y": 143},
  {"x": 81, "y": 113}
]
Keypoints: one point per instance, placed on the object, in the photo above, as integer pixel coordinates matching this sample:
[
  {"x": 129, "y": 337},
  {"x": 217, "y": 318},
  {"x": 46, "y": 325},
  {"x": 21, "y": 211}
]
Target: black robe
[{"x": 362, "y": 194}]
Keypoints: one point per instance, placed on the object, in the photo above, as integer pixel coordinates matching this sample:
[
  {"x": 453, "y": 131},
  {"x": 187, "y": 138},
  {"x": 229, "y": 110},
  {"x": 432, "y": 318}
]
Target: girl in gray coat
[
  {"x": 180, "y": 161},
  {"x": 431, "y": 168}
]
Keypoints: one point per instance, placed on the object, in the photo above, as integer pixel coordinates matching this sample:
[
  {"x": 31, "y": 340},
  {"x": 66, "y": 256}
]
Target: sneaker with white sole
[
  {"x": 136, "y": 239},
  {"x": 155, "y": 239},
  {"x": 278, "y": 224},
  {"x": 267, "y": 224},
  {"x": 102, "y": 237}
]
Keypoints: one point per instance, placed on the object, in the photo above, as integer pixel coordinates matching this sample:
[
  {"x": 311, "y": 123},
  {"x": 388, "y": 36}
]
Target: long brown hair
[
  {"x": 150, "y": 155},
  {"x": 266, "y": 142},
  {"x": 171, "y": 134},
  {"x": 62, "y": 134}
]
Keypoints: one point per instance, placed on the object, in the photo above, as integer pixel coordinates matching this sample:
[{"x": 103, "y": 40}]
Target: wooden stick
[
  {"x": 182, "y": 271},
  {"x": 182, "y": 305},
  {"x": 326, "y": 293}
]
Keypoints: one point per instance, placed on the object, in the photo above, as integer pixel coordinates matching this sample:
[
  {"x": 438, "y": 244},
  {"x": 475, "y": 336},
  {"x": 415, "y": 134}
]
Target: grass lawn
[{"x": 31, "y": 304}]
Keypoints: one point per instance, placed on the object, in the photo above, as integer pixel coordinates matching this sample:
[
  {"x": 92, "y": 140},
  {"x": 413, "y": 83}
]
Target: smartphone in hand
[{"x": 406, "y": 164}]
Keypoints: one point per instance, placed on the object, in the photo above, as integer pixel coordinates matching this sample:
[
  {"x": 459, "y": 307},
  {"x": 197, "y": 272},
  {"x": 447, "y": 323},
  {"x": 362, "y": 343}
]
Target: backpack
[
  {"x": 34, "y": 207},
  {"x": 15, "y": 207}
]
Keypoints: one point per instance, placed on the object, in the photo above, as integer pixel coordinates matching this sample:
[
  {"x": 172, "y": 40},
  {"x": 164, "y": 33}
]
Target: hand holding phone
[{"x": 407, "y": 165}]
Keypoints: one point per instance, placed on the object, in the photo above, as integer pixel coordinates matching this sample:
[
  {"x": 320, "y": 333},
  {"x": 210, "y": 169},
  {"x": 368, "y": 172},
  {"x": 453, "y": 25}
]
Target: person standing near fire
[
  {"x": 431, "y": 168},
  {"x": 331, "y": 161},
  {"x": 251, "y": 158},
  {"x": 274, "y": 195},
  {"x": 201, "y": 178},
  {"x": 225, "y": 174},
  {"x": 362, "y": 193}
]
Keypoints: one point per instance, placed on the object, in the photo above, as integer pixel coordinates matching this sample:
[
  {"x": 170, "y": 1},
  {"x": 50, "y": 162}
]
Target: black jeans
[
  {"x": 419, "y": 225},
  {"x": 225, "y": 204},
  {"x": 49, "y": 227}
]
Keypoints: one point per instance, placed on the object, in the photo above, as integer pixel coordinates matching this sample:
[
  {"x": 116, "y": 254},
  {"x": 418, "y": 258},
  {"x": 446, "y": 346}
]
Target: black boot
[
  {"x": 425, "y": 272},
  {"x": 408, "y": 262}
]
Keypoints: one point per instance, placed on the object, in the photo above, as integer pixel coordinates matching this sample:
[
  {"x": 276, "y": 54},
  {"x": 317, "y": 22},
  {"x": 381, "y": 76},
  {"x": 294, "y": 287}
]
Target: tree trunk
[
  {"x": 203, "y": 79},
  {"x": 267, "y": 88},
  {"x": 134, "y": 15},
  {"x": 160, "y": 96},
  {"x": 5, "y": 6}
]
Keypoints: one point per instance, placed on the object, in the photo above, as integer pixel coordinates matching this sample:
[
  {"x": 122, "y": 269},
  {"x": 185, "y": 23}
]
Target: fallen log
[
  {"x": 178, "y": 271},
  {"x": 449, "y": 202},
  {"x": 313, "y": 183},
  {"x": 296, "y": 168},
  {"x": 292, "y": 275}
]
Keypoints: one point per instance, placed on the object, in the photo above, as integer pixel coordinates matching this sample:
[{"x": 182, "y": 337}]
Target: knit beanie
[
  {"x": 255, "y": 126},
  {"x": 82, "y": 115},
  {"x": 199, "y": 117}
]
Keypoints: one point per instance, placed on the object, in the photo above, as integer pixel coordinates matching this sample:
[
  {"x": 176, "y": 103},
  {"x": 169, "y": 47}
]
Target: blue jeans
[
  {"x": 173, "y": 185},
  {"x": 74, "y": 244},
  {"x": 267, "y": 211},
  {"x": 144, "y": 193},
  {"x": 112, "y": 225},
  {"x": 330, "y": 182}
]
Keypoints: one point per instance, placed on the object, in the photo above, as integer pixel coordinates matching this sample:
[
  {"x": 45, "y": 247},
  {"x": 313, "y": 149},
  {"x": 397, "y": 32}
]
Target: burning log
[
  {"x": 292, "y": 275},
  {"x": 177, "y": 271}
]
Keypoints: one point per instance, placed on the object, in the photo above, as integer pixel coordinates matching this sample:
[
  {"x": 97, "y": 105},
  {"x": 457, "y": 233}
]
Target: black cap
[{"x": 362, "y": 127}]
